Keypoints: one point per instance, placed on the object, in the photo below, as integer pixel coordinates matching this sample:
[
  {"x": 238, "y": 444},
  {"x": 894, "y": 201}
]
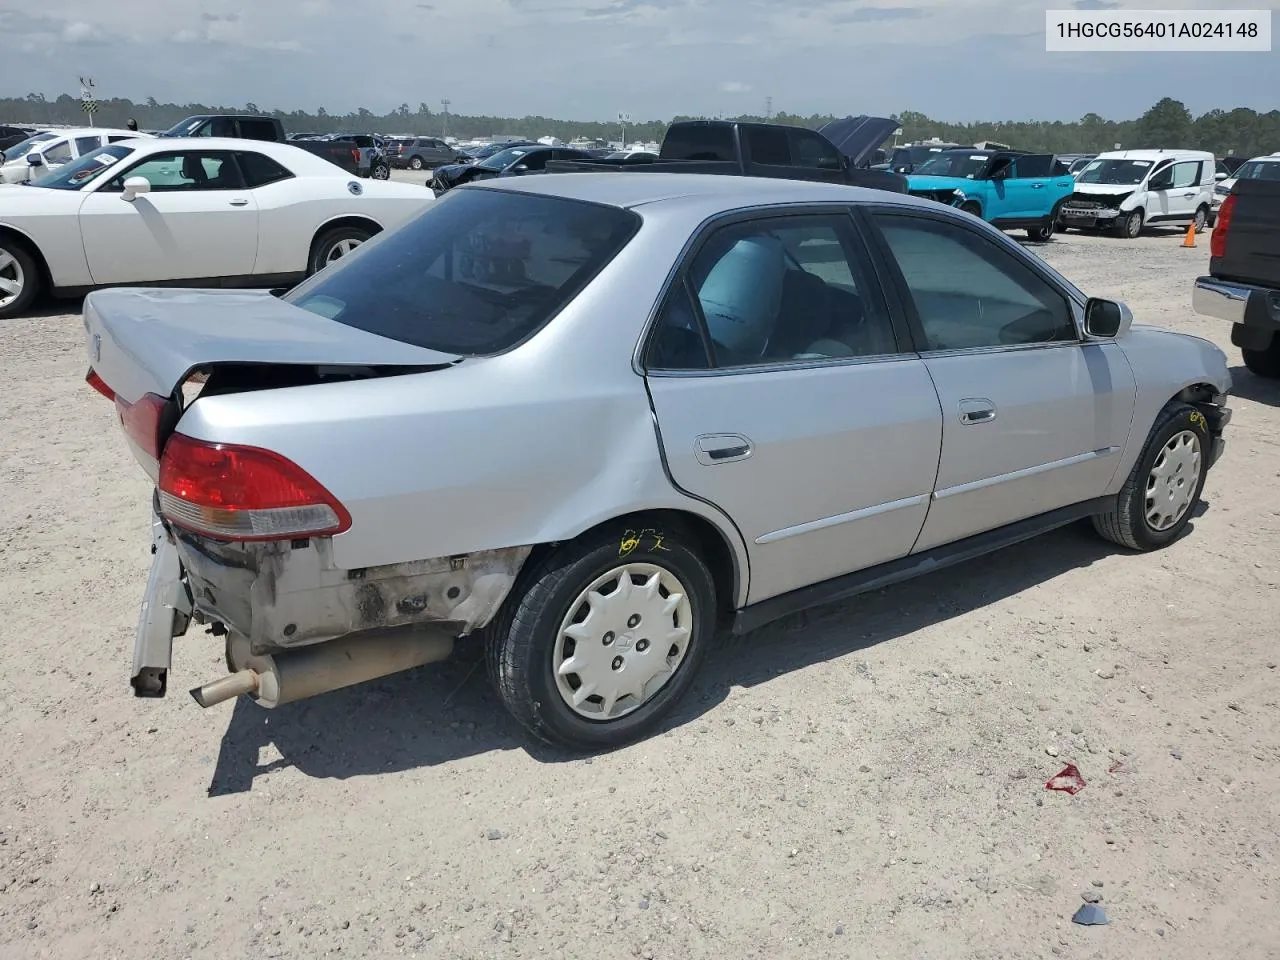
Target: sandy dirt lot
[{"x": 863, "y": 781}]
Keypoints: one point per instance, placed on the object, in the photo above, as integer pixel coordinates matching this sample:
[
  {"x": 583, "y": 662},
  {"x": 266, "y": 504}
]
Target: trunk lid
[
  {"x": 1252, "y": 252},
  {"x": 149, "y": 341}
]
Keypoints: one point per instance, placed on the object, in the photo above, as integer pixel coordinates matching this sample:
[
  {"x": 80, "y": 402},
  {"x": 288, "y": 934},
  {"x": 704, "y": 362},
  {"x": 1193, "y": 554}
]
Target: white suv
[
  {"x": 1259, "y": 168},
  {"x": 1129, "y": 189},
  {"x": 37, "y": 156}
]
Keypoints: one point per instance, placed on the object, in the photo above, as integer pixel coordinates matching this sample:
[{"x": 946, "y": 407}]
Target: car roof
[
  {"x": 93, "y": 131},
  {"x": 299, "y": 161},
  {"x": 1155, "y": 154},
  {"x": 722, "y": 193}
]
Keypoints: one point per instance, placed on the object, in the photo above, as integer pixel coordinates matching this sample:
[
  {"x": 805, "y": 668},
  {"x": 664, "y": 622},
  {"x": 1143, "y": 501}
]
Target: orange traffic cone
[{"x": 1190, "y": 239}]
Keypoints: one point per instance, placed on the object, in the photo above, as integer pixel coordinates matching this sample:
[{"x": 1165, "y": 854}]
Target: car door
[
  {"x": 1034, "y": 417},
  {"x": 1184, "y": 189},
  {"x": 197, "y": 222},
  {"x": 535, "y": 161},
  {"x": 784, "y": 395},
  {"x": 1035, "y": 187}
]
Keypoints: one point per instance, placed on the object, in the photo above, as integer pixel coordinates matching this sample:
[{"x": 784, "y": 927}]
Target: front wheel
[
  {"x": 19, "y": 278},
  {"x": 605, "y": 636},
  {"x": 415, "y": 163},
  {"x": 334, "y": 245},
  {"x": 1265, "y": 362},
  {"x": 1130, "y": 226},
  {"x": 1155, "y": 504}
]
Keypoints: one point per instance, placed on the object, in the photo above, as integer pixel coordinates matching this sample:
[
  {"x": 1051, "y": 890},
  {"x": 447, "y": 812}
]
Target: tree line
[{"x": 1241, "y": 131}]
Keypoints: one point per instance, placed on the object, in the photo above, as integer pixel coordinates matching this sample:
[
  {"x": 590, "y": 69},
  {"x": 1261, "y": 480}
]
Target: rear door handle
[
  {"x": 1037, "y": 186},
  {"x": 713, "y": 448},
  {"x": 238, "y": 203},
  {"x": 977, "y": 410}
]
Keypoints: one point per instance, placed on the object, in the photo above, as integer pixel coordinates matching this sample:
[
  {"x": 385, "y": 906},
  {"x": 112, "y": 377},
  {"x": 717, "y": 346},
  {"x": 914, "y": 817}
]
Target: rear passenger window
[
  {"x": 769, "y": 146},
  {"x": 697, "y": 142},
  {"x": 678, "y": 343},
  {"x": 777, "y": 290},
  {"x": 87, "y": 145},
  {"x": 809, "y": 149},
  {"x": 1034, "y": 165},
  {"x": 258, "y": 130},
  {"x": 260, "y": 170}
]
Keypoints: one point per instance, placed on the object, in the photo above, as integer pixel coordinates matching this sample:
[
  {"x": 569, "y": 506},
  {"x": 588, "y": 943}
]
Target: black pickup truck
[
  {"x": 839, "y": 152},
  {"x": 238, "y": 127},
  {"x": 1243, "y": 285}
]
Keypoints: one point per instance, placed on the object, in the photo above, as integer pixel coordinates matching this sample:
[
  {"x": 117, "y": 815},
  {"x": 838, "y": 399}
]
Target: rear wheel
[
  {"x": 1042, "y": 233},
  {"x": 19, "y": 277},
  {"x": 1265, "y": 362},
  {"x": 1155, "y": 504},
  {"x": 1202, "y": 218},
  {"x": 380, "y": 171},
  {"x": 334, "y": 245},
  {"x": 415, "y": 163},
  {"x": 605, "y": 636}
]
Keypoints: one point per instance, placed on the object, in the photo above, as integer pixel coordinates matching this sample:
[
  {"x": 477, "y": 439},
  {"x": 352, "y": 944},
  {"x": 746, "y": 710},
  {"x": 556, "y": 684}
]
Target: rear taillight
[
  {"x": 95, "y": 381},
  {"x": 141, "y": 421},
  {"x": 1218, "y": 241},
  {"x": 231, "y": 492},
  {"x": 355, "y": 156}
]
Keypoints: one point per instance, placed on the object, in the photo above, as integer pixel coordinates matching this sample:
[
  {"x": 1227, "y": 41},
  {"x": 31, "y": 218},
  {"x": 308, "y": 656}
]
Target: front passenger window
[
  {"x": 967, "y": 292},
  {"x": 170, "y": 172}
]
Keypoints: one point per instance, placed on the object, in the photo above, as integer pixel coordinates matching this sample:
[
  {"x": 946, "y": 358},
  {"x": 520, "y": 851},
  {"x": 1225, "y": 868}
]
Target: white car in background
[
  {"x": 1259, "y": 168},
  {"x": 40, "y": 155},
  {"x": 188, "y": 212}
]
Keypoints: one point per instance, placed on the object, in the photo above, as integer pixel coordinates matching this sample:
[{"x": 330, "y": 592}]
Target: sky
[{"x": 954, "y": 60}]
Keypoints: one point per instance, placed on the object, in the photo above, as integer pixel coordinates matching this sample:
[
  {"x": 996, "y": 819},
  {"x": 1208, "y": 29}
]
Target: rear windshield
[{"x": 475, "y": 274}]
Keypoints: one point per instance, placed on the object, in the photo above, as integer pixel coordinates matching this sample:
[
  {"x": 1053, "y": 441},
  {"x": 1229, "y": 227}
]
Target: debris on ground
[
  {"x": 1067, "y": 780},
  {"x": 1090, "y": 915}
]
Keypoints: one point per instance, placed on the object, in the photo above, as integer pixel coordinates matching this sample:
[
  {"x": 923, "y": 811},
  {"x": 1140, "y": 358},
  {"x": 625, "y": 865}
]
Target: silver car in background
[{"x": 592, "y": 419}]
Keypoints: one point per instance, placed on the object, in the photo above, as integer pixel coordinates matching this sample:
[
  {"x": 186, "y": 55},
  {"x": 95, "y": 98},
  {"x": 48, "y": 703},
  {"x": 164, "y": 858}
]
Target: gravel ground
[{"x": 866, "y": 780}]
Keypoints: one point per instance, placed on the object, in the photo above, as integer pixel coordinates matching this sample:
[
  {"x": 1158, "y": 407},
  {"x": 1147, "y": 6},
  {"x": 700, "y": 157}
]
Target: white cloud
[
  {"x": 78, "y": 32},
  {"x": 734, "y": 86}
]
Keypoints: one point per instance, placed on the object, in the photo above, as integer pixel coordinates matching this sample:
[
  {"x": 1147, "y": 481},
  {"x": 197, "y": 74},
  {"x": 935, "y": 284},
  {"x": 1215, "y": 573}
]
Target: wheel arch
[
  {"x": 345, "y": 220},
  {"x": 33, "y": 248}
]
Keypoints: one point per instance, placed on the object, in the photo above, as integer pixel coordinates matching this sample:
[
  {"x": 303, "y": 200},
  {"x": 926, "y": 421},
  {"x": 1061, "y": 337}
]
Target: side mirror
[
  {"x": 1106, "y": 319},
  {"x": 35, "y": 160},
  {"x": 520, "y": 168},
  {"x": 133, "y": 187},
  {"x": 1221, "y": 176}
]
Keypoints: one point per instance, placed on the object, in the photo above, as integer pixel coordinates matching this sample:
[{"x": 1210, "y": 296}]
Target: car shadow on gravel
[
  {"x": 446, "y": 712},
  {"x": 1250, "y": 386}
]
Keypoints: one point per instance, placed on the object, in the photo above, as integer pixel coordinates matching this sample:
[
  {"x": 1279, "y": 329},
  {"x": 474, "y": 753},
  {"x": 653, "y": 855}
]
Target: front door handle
[
  {"x": 977, "y": 410},
  {"x": 1037, "y": 186},
  {"x": 238, "y": 203},
  {"x": 713, "y": 448}
]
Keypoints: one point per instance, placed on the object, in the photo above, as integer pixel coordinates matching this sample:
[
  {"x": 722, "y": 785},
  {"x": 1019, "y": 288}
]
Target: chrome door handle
[
  {"x": 1037, "y": 186},
  {"x": 238, "y": 203},
  {"x": 977, "y": 410},
  {"x": 713, "y": 448}
]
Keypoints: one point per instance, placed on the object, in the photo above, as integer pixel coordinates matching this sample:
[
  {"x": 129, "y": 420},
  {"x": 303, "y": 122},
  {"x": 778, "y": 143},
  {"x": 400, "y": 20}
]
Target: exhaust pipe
[{"x": 279, "y": 678}]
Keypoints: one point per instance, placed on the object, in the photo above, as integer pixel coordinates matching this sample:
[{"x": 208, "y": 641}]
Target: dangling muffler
[{"x": 278, "y": 678}]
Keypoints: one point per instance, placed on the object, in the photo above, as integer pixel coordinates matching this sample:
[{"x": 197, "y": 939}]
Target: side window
[
  {"x": 536, "y": 160},
  {"x": 699, "y": 142},
  {"x": 967, "y": 292},
  {"x": 777, "y": 290},
  {"x": 257, "y": 130},
  {"x": 59, "y": 153},
  {"x": 809, "y": 149},
  {"x": 172, "y": 172},
  {"x": 1186, "y": 174},
  {"x": 1033, "y": 165},
  {"x": 678, "y": 343},
  {"x": 87, "y": 145},
  {"x": 118, "y": 139},
  {"x": 1161, "y": 178},
  {"x": 260, "y": 170},
  {"x": 768, "y": 146}
]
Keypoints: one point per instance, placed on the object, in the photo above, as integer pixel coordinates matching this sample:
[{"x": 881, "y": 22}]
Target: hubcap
[
  {"x": 1173, "y": 480},
  {"x": 342, "y": 248},
  {"x": 1200, "y": 218},
  {"x": 12, "y": 279},
  {"x": 624, "y": 638},
  {"x": 1135, "y": 224}
]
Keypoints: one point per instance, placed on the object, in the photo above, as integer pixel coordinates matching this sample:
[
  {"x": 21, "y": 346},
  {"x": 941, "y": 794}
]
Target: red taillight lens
[
  {"x": 95, "y": 381},
  {"x": 1218, "y": 241},
  {"x": 231, "y": 492},
  {"x": 141, "y": 421},
  {"x": 355, "y": 156}
]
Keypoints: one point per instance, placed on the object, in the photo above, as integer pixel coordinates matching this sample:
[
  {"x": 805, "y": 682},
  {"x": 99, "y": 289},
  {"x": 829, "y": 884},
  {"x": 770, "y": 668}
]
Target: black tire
[
  {"x": 1126, "y": 522},
  {"x": 19, "y": 269},
  {"x": 970, "y": 206},
  {"x": 1042, "y": 233},
  {"x": 1202, "y": 218},
  {"x": 522, "y": 641},
  {"x": 1265, "y": 362},
  {"x": 1130, "y": 225},
  {"x": 322, "y": 251},
  {"x": 415, "y": 163},
  {"x": 380, "y": 171}
]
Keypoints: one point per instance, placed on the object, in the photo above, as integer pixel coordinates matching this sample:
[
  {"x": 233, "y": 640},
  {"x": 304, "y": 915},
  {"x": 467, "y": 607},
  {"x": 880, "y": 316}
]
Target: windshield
[
  {"x": 475, "y": 274},
  {"x": 88, "y": 168},
  {"x": 184, "y": 128},
  {"x": 20, "y": 150},
  {"x": 1258, "y": 170},
  {"x": 502, "y": 160},
  {"x": 1116, "y": 172},
  {"x": 954, "y": 163}
]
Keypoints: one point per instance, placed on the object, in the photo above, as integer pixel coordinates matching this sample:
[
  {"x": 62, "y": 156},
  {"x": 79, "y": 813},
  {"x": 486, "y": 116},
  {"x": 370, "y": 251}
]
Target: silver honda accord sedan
[{"x": 592, "y": 419}]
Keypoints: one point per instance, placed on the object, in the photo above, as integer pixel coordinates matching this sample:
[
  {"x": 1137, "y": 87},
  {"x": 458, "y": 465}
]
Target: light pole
[
  {"x": 445, "y": 104},
  {"x": 624, "y": 119}
]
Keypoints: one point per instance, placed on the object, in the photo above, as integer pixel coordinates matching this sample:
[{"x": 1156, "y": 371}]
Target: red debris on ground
[{"x": 1068, "y": 780}]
